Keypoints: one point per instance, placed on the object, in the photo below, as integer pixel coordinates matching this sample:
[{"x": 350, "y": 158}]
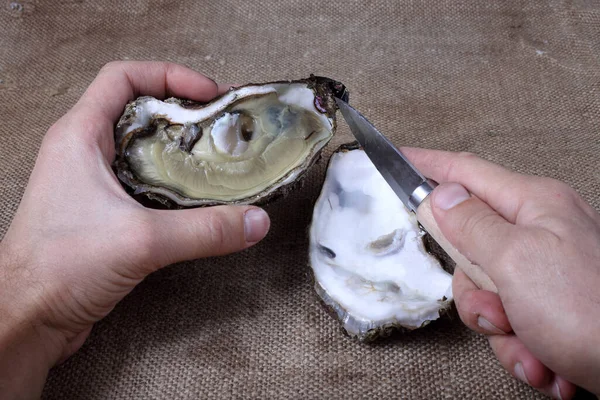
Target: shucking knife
[{"x": 410, "y": 186}]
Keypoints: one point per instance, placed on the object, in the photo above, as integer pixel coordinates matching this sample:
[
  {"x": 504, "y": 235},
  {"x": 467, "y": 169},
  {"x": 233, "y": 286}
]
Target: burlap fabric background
[{"x": 517, "y": 82}]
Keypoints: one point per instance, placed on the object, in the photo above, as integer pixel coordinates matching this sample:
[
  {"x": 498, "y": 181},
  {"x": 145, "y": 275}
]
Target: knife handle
[{"x": 477, "y": 275}]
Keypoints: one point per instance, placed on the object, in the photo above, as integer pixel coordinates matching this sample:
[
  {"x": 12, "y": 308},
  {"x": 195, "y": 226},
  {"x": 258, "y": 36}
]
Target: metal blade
[{"x": 404, "y": 179}]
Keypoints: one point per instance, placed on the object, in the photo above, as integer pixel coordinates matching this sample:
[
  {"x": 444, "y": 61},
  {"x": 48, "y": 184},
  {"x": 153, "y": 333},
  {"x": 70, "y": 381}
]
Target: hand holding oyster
[{"x": 254, "y": 142}]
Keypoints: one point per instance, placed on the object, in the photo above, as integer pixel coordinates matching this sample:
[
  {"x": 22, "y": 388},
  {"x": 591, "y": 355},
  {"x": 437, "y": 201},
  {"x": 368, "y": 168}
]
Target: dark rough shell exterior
[{"x": 325, "y": 89}]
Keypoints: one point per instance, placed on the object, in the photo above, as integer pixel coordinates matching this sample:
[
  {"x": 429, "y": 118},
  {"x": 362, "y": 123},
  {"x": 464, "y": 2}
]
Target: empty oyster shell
[
  {"x": 367, "y": 253},
  {"x": 243, "y": 147}
]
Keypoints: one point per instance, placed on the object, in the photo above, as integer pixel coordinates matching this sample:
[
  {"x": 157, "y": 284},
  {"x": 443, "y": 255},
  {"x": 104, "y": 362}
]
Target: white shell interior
[{"x": 367, "y": 252}]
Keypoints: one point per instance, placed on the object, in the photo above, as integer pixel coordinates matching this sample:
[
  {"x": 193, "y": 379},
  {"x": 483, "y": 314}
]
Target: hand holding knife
[{"x": 411, "y": 187}]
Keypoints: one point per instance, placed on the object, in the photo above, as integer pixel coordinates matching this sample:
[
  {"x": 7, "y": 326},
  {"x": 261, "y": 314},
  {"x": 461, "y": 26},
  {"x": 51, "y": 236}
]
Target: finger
[
  {"x": 207, "y": 232},
  {"x": 501, "y": 188},
  {"x": 480, "y": 310},
  {"x": 471, "y": 226},
  {"x": 518, "y": 360},
  {"x": 566, "y": 389},
  {"x": 522, "y": 364},
  {"x": 120, "y": 82}
]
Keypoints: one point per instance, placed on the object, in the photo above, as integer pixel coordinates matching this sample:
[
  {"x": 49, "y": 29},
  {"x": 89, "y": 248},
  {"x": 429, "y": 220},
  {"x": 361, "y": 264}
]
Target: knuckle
[
  {"x": 216, "y": 230},
  {"x": 464, "y": 304},
  {"x": 475, "y": 224},
  {"x": 465, "y": 299},
  {"x": 554, "y": 185},
  {"x": 61, "y": 139},
  {"x": 467, "y": 155},
  {"x": 53, "y": 135},
  {"x": 112, "y": 65},
  {"x": 549, "y": 201},
  {"x": 457, "y": 164},
  {"x": 552, "y": 191},
  {"x": 511, "y": 257},
  {"x": 468, "y": 303},
  {"x": 55, "y": 141},
  {"x": 167, "y": 66}
]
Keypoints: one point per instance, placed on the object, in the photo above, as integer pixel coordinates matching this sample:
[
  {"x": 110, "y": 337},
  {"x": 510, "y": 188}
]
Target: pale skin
[{"x": 76, "y": 247}]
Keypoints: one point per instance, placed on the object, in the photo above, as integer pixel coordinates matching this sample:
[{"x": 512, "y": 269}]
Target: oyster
[
  {"x": 367, "y": 253},
  {"x": 243, "y": 147}
]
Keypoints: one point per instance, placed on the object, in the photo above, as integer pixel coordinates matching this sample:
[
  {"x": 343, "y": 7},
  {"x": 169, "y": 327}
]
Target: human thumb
[
  {"x": 206, "y": 232},
  {"x": 476, "y": 230}
]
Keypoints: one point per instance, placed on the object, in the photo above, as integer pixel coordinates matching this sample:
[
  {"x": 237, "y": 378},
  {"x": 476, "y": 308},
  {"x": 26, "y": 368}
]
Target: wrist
[
  {"x": 25, "y": 359},
  {"x": 28, "y": 346}
]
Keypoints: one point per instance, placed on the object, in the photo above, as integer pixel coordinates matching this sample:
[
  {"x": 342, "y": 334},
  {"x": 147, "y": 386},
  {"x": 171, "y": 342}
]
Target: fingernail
[
  {"x": 450, "y": 195},
  {"x": 256, "y": 223},
  {"x": 556, "y": 391},
  {"x": 520, "y": 372},
  {"x": 488, "y": 326}
]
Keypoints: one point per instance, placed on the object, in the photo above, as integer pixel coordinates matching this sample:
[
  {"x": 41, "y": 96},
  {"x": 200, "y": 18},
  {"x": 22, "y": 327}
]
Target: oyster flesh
[
  {"x": 367, "y": 253},
  {"x": 243, "y": 147}
]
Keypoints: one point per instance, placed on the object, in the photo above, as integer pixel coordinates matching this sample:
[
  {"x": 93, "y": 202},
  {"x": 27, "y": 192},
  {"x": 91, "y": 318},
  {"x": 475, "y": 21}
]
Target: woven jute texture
[{"x": 515, "y": 81}]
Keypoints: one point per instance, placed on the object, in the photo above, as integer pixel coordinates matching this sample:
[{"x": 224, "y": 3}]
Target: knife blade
[
  {"x": 404, "y": 179},
  {"x": 411, "y": 187}
]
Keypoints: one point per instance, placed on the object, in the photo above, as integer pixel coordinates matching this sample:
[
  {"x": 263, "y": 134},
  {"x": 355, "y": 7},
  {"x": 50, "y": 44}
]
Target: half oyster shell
[
  {"x": 243, "y": 147},
  {"x": 368, "y": 256}
]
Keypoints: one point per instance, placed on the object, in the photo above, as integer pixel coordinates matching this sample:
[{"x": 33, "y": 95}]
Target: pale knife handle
[{"x": 477, "y": 275}]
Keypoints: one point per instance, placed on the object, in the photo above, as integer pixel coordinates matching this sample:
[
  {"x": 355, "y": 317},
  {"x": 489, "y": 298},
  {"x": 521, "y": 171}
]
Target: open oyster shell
[
  {"x": 368, "y": 256},
  {"x": 243, "y": 147}
]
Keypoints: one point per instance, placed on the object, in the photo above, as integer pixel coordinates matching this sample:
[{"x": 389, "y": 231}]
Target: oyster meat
[
  {"x": 243, "y": 147},
  {"x": 367, "y": 253}
]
